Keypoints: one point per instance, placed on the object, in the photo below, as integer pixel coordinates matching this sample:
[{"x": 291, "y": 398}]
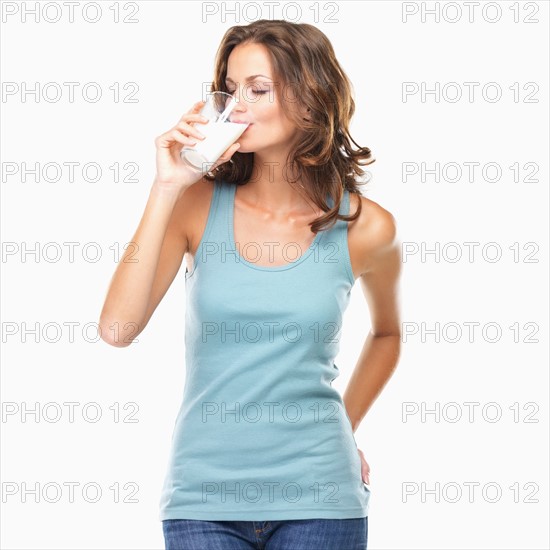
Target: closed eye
[{"x": 258, "y": 92}]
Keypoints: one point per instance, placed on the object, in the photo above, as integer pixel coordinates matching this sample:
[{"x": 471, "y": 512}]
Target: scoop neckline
[{"x": 241, "y": 260}]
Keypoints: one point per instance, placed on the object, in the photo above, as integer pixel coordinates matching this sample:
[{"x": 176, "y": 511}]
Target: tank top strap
[
  {"x": 216, "y": 228},
  {"x": 215, "y": 231},
  {"x": 345, "y": 204},
  {"x": 334, "y": 242}
]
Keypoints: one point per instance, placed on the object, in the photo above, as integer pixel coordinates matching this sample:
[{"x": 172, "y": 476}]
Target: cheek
[
  {"x": 273, "y": 115},
  {"x": 266, "y": 112}
]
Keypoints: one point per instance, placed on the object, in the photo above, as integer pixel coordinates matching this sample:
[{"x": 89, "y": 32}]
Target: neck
[{"x": 269, "y": 187}]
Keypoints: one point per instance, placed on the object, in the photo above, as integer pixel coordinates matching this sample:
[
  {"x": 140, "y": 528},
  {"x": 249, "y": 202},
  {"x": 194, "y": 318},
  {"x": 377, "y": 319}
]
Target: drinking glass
[{"x": 220, "y": 133}]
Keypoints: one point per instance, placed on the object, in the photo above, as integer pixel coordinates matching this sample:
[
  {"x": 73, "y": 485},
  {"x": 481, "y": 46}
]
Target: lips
[{"x": 246, "y": 129}]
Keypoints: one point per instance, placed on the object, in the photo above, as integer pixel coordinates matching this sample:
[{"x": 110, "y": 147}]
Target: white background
[{"x": 168, "y": 53}]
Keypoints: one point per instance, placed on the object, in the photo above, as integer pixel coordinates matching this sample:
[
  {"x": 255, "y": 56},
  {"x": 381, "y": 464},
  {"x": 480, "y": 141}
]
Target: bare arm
[
  {"x": 140, "y": 281},
  {"x": 379, "y": 281}
]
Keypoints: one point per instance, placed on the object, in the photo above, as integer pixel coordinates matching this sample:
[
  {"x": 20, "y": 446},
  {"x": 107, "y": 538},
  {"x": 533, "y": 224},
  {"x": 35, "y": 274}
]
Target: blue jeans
[{"x": 297, "y": 534}]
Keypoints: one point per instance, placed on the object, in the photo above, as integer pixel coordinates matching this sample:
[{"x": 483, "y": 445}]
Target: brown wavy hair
[{"x": 323, "y": 160}]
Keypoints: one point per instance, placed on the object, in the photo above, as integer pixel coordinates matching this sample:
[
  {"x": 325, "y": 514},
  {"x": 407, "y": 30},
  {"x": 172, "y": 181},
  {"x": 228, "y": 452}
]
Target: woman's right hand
[{"x": 172, "y": 172}]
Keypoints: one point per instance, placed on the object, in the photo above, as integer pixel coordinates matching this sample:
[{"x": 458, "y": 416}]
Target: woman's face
[{"x": 259, "y": 103}]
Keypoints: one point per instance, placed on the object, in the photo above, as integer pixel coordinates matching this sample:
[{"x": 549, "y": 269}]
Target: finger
[
  {"x": 196, "y": 108},
  {"x": 226, "y": 157},
  {"x": 194, "y": 117},
  {"x": 191, "y": 130},
  {"x": 167, "y": 140}
]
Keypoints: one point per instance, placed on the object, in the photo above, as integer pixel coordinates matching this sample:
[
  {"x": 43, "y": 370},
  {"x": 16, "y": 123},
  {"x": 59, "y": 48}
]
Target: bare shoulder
[
  {"x": 371, "y": 236},
  {"x": 192, "y": 210}
]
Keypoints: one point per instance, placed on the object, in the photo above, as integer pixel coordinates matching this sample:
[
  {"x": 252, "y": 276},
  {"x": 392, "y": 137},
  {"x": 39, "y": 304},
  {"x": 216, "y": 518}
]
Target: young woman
[{"x": 274, "y": 236}]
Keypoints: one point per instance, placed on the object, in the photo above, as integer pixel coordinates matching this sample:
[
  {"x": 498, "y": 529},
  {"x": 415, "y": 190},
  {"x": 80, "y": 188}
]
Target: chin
[{"x": 245, "y": 149}]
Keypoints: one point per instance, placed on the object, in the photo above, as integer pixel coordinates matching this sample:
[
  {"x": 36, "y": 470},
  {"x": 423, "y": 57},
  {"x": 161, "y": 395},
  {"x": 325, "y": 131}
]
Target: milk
[{"x": 219, "y": 136}]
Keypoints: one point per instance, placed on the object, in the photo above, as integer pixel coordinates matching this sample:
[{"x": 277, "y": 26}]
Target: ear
[{"x": 306, "y": 114}]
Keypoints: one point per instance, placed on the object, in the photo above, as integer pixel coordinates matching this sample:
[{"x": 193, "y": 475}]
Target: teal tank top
[{"x": 261, "y": 434}]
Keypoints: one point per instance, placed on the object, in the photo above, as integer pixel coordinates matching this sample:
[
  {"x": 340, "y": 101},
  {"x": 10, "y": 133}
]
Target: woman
[{"x": 275, "y": 235}]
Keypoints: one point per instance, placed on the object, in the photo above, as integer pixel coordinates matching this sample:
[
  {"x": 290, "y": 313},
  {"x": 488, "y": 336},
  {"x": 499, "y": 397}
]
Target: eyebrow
[{"x": 248, "y": 78}]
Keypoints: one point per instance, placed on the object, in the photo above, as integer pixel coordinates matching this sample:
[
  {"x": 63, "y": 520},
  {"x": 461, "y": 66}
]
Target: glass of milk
[{"x": 220, "y": 133}]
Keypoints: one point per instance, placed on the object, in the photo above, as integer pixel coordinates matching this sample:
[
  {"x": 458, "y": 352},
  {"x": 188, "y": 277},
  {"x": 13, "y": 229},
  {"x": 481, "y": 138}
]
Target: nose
[
  {"x": 240, "y": 106},
  {"x": 237, "y": 109}
]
